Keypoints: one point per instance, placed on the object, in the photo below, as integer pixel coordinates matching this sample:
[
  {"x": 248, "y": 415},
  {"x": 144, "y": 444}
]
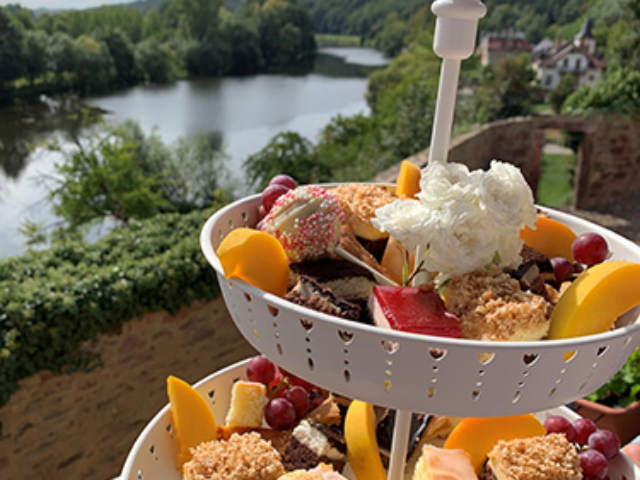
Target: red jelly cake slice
[{"x": 413, "y": 309}]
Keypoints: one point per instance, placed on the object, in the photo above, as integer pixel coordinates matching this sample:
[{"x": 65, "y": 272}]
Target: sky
[{"x": 62, "y": 4}]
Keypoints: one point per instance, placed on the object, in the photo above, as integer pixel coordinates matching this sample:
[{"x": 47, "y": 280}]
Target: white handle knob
[{"x": 456, "y": 27}]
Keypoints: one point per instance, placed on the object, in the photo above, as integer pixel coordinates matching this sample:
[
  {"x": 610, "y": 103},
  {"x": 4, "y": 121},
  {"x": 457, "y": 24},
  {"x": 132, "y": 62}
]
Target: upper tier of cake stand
[{"x": 415, "y": 372}]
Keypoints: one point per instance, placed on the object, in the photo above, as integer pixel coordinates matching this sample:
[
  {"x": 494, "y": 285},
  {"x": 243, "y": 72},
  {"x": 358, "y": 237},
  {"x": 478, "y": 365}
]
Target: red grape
[
  {"x": 271, "y": 194},
  {"x": 280, "y": 414},
  {"x": 284, "y": 180},
  {"x": 315, "y": 398},
  {"x": 583, "y": 427},
  {"x": 606, "y": 442},
  {"x": 562, "y": 268},
  {"x": 590, "y": 249},
  {"x": 558, "y": 424},
  {"x": 276, "y": 386},
  {"x": 299, "y": 397},
  {"x": 294, "y": 380},
  {"x": 262, "y": 212},
  {"x": 260, "y": 369},
  {"x": 594, "y": 465}
]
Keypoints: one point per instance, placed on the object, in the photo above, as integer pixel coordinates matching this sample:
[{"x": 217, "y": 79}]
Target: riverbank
[{"x": 240, "y": 113}]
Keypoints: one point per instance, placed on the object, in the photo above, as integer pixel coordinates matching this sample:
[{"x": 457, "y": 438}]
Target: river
[{"x": 245, "y": 112}]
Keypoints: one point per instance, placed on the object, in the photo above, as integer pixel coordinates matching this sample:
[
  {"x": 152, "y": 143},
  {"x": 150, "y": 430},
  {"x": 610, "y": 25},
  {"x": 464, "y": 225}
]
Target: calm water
[{"x": 245, "y": 112}]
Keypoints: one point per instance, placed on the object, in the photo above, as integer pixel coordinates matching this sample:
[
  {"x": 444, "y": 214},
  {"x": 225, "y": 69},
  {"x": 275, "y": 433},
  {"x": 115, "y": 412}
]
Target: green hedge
[{"x": 52, "y": 300}]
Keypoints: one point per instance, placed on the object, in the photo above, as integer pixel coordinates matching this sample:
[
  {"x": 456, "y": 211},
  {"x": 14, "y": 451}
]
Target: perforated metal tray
[
  {"x": 421, "y": 373},
  {"x": 153, "y": 456}
]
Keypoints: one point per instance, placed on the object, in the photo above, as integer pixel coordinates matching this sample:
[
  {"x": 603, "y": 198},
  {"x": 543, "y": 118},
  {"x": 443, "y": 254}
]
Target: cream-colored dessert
[
  {"x": 242, "y": 457},
  {"x": 248, "y": 400},
  {"x": 491, "y": 306},
  {"x": 360, "y": 202},
  {"x": 550, "y": 457},
  {"x": 321, "y": 472},
  {"x": 439, "y": 464}
]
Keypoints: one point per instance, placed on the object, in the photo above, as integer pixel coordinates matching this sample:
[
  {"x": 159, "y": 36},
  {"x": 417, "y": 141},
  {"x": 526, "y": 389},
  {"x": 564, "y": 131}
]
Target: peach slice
[
  {"x": 362, "y": 445},
  {"x": 255, "y": 257},
  {"x": 408, "y": 182},
  {"x": 193, "y": 421},
  {"x": 596, "y": 299},
  {"x": 550, "y": 237},
  {"x": 478, "y": 436}
]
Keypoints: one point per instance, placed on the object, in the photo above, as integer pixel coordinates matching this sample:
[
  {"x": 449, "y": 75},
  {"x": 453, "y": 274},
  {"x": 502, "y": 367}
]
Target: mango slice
[
  {"x": 596, "y": 299},
  {"x": 550, "y": 237},
  {"x": 193, "y": 421},
  {"x": 255, "y": 257},
  {"x": 394, "y": 259},
  {"x": 478, "y": 436},
  {"x": 362, "y": 445},
  {"x": 408, "y": 182}
]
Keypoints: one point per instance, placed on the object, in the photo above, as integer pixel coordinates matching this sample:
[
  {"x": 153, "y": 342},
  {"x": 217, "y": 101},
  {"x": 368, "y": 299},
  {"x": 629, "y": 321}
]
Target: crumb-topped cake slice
[
  {"x": 550, "y": 457},
  {"x": 242, "y": 457},
  {"x": 491, "y": 306}
]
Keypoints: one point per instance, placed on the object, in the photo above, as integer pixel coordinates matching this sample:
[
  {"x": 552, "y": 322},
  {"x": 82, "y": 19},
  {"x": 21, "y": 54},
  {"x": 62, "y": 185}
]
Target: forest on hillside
[{"x": 102, "y": 49}]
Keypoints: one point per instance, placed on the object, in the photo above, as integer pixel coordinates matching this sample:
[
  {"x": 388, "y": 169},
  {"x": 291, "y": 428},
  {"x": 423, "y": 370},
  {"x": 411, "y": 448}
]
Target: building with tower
[{"x": 576, "y": 58}]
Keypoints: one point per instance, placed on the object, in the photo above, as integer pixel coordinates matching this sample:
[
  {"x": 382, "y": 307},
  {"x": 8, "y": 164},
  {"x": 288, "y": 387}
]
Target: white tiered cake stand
[{"x": 410, "y": 373}]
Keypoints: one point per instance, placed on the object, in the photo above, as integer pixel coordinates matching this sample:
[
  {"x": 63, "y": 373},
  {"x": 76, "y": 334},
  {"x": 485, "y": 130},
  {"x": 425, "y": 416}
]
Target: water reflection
[
  {"x": 22, "y": 127},
  {"x": 238, "y": 114}
]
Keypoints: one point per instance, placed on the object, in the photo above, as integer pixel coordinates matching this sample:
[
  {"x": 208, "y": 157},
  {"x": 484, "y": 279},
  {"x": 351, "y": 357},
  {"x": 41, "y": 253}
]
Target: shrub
[{"x": 53, "y": 300}]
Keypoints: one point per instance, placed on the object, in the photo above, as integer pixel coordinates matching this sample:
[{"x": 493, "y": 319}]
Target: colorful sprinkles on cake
[{"x": 306, "y": 221}]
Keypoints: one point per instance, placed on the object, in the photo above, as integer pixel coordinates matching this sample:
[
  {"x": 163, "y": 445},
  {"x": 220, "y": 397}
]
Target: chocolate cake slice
[
  {"x": 384, "y": 433},
  {"x": 310, "y": 294},
  {"x": 346, "y": 279},
  {"x": 312, "y": 443}
]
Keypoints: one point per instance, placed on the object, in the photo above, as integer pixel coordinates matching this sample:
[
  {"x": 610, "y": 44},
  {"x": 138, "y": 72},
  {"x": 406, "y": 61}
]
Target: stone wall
[
  {"x": 82, "y": 425},
  {"x": 608, "y": 158}
]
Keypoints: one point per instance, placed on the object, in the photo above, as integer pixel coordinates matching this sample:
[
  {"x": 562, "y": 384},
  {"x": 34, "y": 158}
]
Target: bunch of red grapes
[
  {"x": 278, "y": 186},
  {"x": 596, "y": 446},
  {"x": 587, "y": 249},
  {"x": 290, "y": 397}
]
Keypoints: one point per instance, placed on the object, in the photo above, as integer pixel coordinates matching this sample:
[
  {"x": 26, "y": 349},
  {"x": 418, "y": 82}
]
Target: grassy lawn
[
  {"x": 542, "y": 108},
  {"x": 556, "y": 180},
  {"x": 328, "y": 40}
]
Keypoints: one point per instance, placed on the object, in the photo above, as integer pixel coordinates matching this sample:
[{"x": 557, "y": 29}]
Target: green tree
[
  {"x": 62, "y": 57},
  {"x": 286, "y": 34},
  {"x": 509, "y": 92},
  {"x": 103, "y": 179},
  {"x": 617, "y": 92},
  {"x": 35, "y": 54},
  {"x": 191, "y": 172},
  {"x": 94, "y": 70},
  {"x": 627, "y": 50},
  {"x": 152, "y": 24},
  {"x": 558, "y": 95},
  {"x": 349, "y": 149},
  {"x": 155, "y": 61},
  {"x": 246, "y": 55},
  {"x": 391, "y": 36},
  {"x": 11, "y": 40},
  {"x": 289, "y": 153},
  {"x": 410, "y": 131},
  {"x": 122, "y": 52},
  {"x": 209, "y": 58}
]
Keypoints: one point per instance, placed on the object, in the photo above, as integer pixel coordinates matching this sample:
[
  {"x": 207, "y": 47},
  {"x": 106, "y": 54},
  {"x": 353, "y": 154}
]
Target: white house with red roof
[{"x": 577, "y": 58}]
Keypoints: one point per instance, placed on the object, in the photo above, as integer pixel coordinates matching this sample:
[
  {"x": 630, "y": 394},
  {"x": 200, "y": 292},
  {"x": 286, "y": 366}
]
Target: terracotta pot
[{"x": 623, "y": 421}]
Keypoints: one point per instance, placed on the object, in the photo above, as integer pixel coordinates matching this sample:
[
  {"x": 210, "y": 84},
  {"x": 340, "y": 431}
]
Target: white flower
[
  {"x": 463, "y": 220},
  {"x": 505, "y": 194},
  {"x": 408, "y": 221}
]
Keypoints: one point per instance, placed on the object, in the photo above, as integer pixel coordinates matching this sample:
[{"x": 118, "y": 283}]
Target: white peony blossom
[{"x": 463, "y": 220}]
